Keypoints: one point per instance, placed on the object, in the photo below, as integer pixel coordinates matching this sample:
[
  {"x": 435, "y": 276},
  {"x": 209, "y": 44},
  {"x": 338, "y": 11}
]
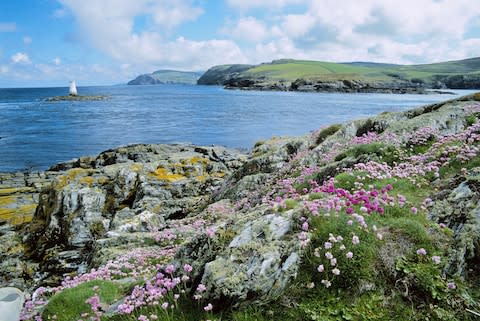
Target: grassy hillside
[{"x": 289, "y": 70}]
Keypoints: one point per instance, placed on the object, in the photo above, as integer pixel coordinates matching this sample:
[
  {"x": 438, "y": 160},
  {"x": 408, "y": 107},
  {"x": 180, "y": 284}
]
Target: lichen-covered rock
[
  {"x": 459, "y": 210},
  {"x": 115, "y": 194},
  {"x": 253, "y": 257}
]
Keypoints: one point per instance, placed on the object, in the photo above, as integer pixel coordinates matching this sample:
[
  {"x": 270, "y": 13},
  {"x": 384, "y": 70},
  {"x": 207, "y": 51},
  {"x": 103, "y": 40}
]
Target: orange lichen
[{"x": 163, "y": 175}]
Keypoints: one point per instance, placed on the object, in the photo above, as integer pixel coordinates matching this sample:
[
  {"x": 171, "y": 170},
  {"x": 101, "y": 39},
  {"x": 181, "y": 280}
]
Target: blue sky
[{"x": 97, "y": 42}]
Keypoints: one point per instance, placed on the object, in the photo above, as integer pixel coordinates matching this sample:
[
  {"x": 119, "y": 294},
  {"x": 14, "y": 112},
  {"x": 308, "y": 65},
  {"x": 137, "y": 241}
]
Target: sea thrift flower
[
  {"x": 333, "y": 262},
  {"x": 165, "y": 305},
  {"x": 327, "y": 245},
  {"x": 327, "y": 283},
  {"x": 336, "y": 271},
  {"x": 355, "y": 240},
  {"x": 170, "y": 269},
  {"x": 310, "y": 285},
  {"x": 201, "y": 288},
  {"x": 320, "y": 268},
  {"x": 209, "y": 307},
  {"x": 379, "y": 236},
  {"x": 421, "y": 251},
  {"x": 210, "y": 232},
  {"x": 142, "y": 318},
  {"x": 187, "y": 268},
  {"x": 436, "y": 259},
  {"x": 349, "y": 255},
  {"x": 305, "y": 226},
  {"x": 451, "y": 285},
  {"x": 414, "y": 210},
  {"x": 328, "y": 255},
  {"x": 342, "y": 247}
]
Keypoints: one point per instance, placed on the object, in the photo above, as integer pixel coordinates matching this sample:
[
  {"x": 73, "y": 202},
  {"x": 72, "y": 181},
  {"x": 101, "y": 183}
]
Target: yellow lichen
[
  {"x": 19, "y": 215},
  {"x": 69, "y": 176},
  {"x": 87, "y": 180},
  {"x": 201, "y": 178},
  {"x": 135, "y": 167},
  {"x": 102, "y": 180},
  {"x": 163, "y": 175},
  {"x": 7, "y": 200},
  {"x": 198, "y": 160},
  {"x": 13, "y": 190},
  {"x": 218, "y": 174}
]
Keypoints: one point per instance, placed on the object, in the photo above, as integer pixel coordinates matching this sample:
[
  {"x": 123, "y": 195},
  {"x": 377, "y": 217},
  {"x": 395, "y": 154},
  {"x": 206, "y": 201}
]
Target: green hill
[
  {"x": 357, "y": 76},
  {"x": 166, "y": 77}
]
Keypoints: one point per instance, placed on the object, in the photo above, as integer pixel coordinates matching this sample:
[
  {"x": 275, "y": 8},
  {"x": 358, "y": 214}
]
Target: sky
[{"x": 101, "y": 42}]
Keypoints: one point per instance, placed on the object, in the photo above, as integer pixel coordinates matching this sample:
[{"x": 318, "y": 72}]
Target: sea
[{"x": 36, "y": 134}]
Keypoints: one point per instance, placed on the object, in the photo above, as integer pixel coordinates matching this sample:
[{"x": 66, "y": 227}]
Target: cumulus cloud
[
  {"x": 8, "y": 27},
  {"x": 247, "y": 28},
  {"x": 410, "y": 31},
  {"x": 110, "y": 26},
  {"x": 20, "y": 58}
]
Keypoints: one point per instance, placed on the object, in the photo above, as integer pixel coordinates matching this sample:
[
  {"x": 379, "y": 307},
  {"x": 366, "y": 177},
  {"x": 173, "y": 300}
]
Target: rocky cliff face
[{"x": 244, "y": 227}]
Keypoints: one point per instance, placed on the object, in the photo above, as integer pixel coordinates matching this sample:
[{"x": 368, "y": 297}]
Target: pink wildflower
[
  {"x": 320, "y": 268},
  {"x": 421, "y": 251},
  {"x": 336, "y": 271},
  {"x": 349, "y": 255},
  {"x": 187, "y": 268},
  {"x": 451, "y": 285},
  {"x": 355, "y": 240},
  {"x": 209, "y": 307},
  {"x": 436, "y": 259}
]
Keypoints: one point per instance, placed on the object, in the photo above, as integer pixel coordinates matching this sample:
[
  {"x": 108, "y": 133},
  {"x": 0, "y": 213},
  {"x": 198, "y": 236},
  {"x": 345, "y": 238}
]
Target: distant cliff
[{"x": 160, "y": 77}]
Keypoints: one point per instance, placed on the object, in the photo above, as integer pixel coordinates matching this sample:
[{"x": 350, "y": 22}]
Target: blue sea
[{"x": 35, "y": 134}]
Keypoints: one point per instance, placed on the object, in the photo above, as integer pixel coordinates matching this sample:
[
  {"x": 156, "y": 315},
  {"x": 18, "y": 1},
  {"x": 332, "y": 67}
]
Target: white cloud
[
  {"x": 109, "y": 25},
  {"x": 57, "y": 61},
  {"x": 247, "y": 28},
  {"x": 8, "y": 27},
  {"x": 20, "y": 58},
  {"x": 27, "y": 40},
  {"x": 387, "y": 30},
  {"x": 251, "y": 4}
]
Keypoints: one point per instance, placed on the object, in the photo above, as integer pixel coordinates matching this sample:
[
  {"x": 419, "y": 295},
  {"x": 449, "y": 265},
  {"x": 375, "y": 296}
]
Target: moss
[
  {"x": 97, "y": 229},
  {"x": 386, "y": 153},
  {"x": 69, "y": 304},
  {"x": 326, "y": 132},
  {"x": 476, "y": 96}
]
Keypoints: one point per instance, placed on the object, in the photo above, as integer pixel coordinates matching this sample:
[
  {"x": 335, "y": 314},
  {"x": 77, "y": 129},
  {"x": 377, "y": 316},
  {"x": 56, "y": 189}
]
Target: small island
[
  {"x": 76, "y": 98},
  {"x": 73, "y": 95}
]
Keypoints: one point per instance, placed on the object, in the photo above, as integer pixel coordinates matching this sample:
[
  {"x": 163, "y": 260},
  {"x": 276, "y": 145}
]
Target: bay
[{"x": 35, "y": 134}]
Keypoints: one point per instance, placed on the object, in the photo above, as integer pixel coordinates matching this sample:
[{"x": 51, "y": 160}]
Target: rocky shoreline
[
  {"x": 337, "y": 86},
  {"x": 244, "y": 228}
]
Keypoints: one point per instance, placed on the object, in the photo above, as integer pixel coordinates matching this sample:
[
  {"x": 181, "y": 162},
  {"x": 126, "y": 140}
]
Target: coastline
[{"x": 225, "y": 213}]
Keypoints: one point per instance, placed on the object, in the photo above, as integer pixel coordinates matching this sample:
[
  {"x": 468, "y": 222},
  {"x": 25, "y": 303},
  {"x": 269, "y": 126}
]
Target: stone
[{"x": 11, "y": 302}]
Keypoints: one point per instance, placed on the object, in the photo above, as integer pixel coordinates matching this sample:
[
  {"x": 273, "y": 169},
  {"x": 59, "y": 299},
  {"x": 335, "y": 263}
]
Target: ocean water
[{"x": 35, "y": 134}]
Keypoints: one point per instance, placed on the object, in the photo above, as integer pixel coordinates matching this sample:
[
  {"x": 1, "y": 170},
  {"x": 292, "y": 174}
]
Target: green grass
[
  {"x": 290, "y": 70},
  {"x": 69, "y": 304}
]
